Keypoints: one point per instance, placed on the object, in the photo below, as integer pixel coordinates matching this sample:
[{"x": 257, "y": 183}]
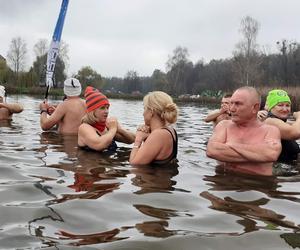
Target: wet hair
[
  {"x": 89, "y": 118},
  {"x": 162, "y": 104}
]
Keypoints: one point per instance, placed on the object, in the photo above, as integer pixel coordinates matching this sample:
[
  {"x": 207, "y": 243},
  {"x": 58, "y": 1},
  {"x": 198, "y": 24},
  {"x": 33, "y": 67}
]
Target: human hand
[
  {"x": 143, "y": 128},
  {"x": 224, "y": 109},
  {"x": 262, "y": 115},
  {"x": 112, "y": 123},
  {"x": 296, "y": 114},
  {"x": 50, "y": 110},
  {"x": 44, "y": 105},
  {"x": 142, "y": 133}
]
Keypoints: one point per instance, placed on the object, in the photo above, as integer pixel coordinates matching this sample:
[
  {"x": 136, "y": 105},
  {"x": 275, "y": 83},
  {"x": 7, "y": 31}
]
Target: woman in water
[
  {"x": 156, "y": 140},
  {"x": 278, "y": 105},
  {"x": 98, "y": 131}
]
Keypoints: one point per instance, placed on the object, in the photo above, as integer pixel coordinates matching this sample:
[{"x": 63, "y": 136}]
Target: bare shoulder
[
  {"x": 159, "y": 132},
  {"x": 225, "y": 124},
  {"x": 270, "y": 128},
  {"x": 85, "y": 127},
  {"x": 273, "y": 121},
  {"x": 160, "y": 135}
]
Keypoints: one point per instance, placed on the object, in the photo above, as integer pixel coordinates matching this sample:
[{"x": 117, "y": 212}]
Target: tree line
[{"x": 249, "y": 65}]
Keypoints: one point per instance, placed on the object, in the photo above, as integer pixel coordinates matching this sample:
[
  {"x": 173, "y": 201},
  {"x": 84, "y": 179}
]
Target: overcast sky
[{"x": 114, "y": 36}]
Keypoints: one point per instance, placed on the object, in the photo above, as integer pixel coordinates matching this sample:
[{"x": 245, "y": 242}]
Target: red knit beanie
[{"x": 94, "y": 99}]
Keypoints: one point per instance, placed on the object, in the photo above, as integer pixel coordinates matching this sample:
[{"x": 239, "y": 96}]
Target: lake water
[{"x": 54, "y": 196}]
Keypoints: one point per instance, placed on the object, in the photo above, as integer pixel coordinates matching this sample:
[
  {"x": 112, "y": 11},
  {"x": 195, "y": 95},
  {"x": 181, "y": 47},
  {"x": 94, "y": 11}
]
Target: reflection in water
[
  {"x": 154, "y": 178},
  {"x": 58, "y": 196},
  {"x": 252, "y": 210},
  {"x": 160, "y": 213},
  {"x": 293, "y": 239},
  {"x": 238, "y": 181},
  {"x": 249, "y": 210},
  {"x": 89, "y": 167},
  {"x": 89, "y": 239},
  {"x": 6, "y": 123},
  {"x": 155, "y": 229}
]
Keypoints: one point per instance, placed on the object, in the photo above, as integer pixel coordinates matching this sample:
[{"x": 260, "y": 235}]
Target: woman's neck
[{"x": 156, "y": 124}]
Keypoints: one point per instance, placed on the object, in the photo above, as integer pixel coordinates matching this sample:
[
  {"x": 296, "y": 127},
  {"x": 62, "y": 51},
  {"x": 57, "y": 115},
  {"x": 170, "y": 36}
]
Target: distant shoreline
[{"x": 58, "y": 92}]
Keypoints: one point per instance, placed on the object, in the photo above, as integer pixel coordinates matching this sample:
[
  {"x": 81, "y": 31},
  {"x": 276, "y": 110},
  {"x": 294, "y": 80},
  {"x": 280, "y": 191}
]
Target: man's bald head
[{"x": 253, "y": 96}]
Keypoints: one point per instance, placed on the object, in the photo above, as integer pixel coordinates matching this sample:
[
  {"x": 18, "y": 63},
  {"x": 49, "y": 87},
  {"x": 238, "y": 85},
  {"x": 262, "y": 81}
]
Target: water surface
[{"x": 54, "y": 196}]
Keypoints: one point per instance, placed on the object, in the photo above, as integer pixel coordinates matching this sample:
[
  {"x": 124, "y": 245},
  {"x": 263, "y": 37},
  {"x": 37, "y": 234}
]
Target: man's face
[
  {"x": 242, "y": 108},
  {"x": 225, "y": 103}
]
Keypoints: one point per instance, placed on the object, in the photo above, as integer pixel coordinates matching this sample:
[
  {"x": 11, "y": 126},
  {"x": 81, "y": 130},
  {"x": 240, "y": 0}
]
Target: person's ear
[{"x": 256, "y": 107}]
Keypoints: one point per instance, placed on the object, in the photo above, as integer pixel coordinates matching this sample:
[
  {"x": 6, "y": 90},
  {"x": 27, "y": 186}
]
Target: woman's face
[
  {"x": 282, "y": 110},
  {"x": 102, "y": 113},
  {"x": 147, "y": 115}
]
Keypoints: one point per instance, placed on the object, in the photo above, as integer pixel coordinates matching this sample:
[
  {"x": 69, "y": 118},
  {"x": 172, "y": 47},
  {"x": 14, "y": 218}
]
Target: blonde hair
[
  {"x": 89, "y": 118},
  {"x": 162, "y": 104}
]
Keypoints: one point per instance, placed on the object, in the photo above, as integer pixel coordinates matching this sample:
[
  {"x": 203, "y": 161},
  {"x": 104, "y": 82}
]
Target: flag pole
[{"x": 54, "y": 46}]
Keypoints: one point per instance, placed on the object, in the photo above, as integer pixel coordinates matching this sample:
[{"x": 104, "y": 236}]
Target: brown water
[{"x": 54, "y": 196}]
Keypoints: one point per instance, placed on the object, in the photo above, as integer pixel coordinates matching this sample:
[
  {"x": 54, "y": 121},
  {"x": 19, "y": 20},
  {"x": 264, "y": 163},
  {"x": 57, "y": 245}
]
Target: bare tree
[
  {"x": 16, "y": 55},
  {"x": 64, "y": 53},
  {"x": 177, "y": 69},
  {"x": 41, "y": 47},
  {"x": 247, "y": 55}
]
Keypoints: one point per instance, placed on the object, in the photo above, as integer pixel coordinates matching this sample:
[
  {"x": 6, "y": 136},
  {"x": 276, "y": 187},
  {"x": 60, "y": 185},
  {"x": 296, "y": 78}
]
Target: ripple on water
[{"x": 56, "y": 196}]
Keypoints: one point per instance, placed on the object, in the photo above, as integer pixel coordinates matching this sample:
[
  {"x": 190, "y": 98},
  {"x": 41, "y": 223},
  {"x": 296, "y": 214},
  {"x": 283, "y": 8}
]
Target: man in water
[
  {"x": 67, "y": 115},
  {"x": 8, "y": 109},
  {"x": 220, "y": 114},
  {"x": 244, "y": 143}
]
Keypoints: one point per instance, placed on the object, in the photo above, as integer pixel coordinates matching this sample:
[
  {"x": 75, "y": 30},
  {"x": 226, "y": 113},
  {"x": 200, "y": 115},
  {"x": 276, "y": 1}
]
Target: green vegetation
[{"x": 183, "y": 79}]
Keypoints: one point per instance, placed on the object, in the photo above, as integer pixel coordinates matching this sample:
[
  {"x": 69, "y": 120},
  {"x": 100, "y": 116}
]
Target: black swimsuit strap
[{"x": 175, "y": 140}]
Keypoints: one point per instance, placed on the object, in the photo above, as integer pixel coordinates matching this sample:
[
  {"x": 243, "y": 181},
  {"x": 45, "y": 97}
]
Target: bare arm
[
  {"x": 217, "y": 147},
  {"x": 12, "y": 107},
  {"x": 288, "y": 131},
  {"x": 145, "y": 151},
  {"x": 87, "y": 136},
  {"x": 265, "y": 151},
  {"x": 211, "y": 117},
  {"x": 124, "y": 135},
  {"x": 47, "y": 122}
]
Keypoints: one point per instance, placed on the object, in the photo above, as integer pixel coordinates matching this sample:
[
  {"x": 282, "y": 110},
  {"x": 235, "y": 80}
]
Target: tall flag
[{"x": 54, "y": 47}]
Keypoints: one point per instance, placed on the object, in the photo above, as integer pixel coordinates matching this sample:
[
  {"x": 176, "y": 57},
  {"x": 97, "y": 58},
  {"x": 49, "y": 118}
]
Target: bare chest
[{"x": 246, "y": 135}]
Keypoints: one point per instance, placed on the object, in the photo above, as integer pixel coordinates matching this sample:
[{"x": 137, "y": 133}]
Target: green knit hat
[{"x": 276, "y": 96}]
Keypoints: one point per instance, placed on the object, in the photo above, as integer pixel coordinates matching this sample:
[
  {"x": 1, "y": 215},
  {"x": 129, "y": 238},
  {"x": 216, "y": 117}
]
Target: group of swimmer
[
  {"x": 154, "y": 142},
  {"x": 250, "y": 140},
  {"x": 244, "y": 137}
]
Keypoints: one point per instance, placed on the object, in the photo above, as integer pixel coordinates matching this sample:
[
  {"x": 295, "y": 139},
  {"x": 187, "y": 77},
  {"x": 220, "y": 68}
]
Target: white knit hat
[
  {"x": 2, "y": 91},
  {"x": 72, "y": 87}
]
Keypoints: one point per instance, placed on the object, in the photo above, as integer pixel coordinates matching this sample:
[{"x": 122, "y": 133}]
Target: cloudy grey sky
[{"x": 114, "y": 36}]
